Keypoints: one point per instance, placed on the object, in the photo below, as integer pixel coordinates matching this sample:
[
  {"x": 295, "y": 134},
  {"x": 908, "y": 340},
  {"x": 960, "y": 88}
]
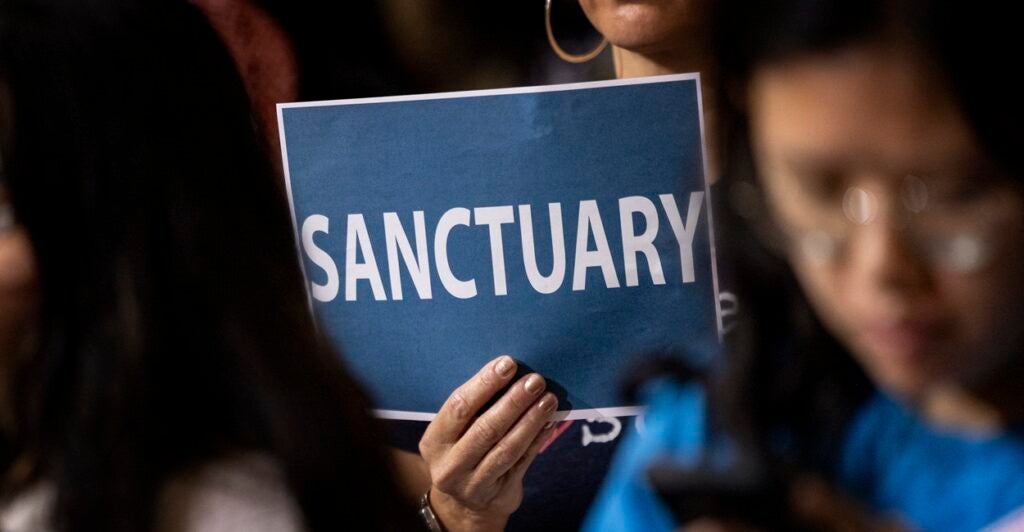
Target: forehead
[{"x": 875, "y": 108}]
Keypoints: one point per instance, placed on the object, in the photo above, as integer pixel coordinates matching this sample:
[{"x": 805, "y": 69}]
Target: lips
[{"x": 904, "y": 340}]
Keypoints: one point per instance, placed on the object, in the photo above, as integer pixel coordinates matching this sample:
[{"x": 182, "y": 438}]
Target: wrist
[{"x": 454, "y": 516}]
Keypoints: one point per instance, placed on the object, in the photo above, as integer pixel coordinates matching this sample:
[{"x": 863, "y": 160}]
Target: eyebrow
[
  {"x": 816, "y": 164},
  {"x": 808, "y": 163}
]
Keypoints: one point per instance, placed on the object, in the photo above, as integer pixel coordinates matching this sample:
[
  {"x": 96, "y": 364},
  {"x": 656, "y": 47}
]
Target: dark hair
[
  {"x": 350, "y": 50},
  {"x": 342, "y": 49},
  {"x": 173, "y": 326},
  {"x": 788, "y": 379}
]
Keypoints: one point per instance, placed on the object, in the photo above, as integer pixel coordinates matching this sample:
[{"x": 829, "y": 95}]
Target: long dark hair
[
  {"x": 172, "y": 326},
  {"x": 790, "y": 384}
]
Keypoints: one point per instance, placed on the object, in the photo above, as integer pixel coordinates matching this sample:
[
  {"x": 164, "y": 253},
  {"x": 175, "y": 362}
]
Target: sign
[{"x": 568, "y": 226}]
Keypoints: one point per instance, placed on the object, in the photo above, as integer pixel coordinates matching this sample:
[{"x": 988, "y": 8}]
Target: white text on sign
[{"x": 361, "y": 262}]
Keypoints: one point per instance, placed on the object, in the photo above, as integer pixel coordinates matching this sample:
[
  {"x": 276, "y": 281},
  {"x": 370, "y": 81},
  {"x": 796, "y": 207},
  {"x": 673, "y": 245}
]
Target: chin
[
  {"x": 904, "y": 390},
  {"x": 908, "y": 382},
  {"x": 642, "y": 26},
  {"x": 643, "y": 44}
]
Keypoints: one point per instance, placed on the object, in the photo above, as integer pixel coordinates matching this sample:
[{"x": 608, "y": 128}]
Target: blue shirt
[
  {"x": 674, "y": 426},
  {"x": 890, "y": 460},
  {"x": 894, "y": 462}
]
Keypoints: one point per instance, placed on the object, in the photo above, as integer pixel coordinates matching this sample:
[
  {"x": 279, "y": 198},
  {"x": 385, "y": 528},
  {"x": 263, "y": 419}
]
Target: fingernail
[
  {"x": 547, "y": 403},
  {"x": 504, "y": 366},
  {"x": 548, "y": 425},
  {"x": 534, "y": 384}
]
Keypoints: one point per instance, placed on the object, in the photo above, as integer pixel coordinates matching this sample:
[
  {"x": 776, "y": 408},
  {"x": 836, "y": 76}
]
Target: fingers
[
  {"x": 492, "y": 425},
  {"x": 477, "y": 460},
  {"x": 504, "y": 455},
  {"x": 817, "y": 503},
  {"x": 462, "y": 405},
  {"x": 712, "y": 525},
  {"x": 814, "y": 501},
  {"x": 518, "y": 471}
]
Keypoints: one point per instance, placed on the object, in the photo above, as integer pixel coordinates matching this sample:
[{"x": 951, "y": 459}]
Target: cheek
[
  {"x": 989, "y": 317},
  {"x": 822, "y": 285},
  {"x": 982, "y": 317},
  {"x": 18, "y": 284},
  {"x": 18, "y": 299},
  {"x": 834, "y": 298}
]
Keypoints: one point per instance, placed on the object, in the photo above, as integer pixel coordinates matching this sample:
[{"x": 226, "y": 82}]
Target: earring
[{"x": 566, "y": 56}]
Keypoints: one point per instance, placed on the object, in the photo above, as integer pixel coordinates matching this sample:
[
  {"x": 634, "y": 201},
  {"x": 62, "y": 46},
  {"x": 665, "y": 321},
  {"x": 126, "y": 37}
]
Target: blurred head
[
  {"x": 17, "y": 278},
  {"x": 263, "y": 54},
  {"x": 889, "y": 181},
  {"x": 171, "y": 325},
  {"x": 645, "y": 26},
  {"x": 18, "y": 298}
]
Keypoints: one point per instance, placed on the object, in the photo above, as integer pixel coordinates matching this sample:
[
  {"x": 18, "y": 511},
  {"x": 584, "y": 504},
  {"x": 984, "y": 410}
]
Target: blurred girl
[
  {"x": 166, "y": 373},
  {"x": 874, "y": 169}
]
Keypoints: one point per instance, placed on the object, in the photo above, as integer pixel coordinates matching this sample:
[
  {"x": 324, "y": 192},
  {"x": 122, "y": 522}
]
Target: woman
[
  {"x": 877, "y": 163},
  {"x": 169, "y": 375},
  {"x": 648, "y": 38}
]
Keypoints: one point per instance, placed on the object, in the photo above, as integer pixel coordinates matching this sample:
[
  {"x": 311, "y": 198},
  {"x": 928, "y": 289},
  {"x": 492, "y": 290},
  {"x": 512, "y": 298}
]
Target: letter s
[{"x": 319, "y": 223}]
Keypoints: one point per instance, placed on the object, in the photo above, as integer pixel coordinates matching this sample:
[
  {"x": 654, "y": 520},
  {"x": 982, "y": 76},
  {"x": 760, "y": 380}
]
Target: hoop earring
[{"x": 566, "y": 56}]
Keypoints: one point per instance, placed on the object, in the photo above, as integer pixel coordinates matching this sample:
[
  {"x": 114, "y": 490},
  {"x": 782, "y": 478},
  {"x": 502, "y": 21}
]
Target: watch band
[{"x": 427, "y": 513}]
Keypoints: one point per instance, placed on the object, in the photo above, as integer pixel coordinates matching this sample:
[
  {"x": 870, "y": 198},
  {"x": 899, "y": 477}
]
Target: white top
[{"x": 246, "y": 493}]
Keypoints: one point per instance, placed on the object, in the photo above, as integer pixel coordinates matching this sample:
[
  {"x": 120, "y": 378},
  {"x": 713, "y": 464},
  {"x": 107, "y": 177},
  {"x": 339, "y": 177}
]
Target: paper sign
[{"x": 568, "y": 226}]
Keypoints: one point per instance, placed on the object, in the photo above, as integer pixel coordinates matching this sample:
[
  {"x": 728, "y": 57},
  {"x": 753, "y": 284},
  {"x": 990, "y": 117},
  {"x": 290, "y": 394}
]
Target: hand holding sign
[{"x": 477, "y": 460}]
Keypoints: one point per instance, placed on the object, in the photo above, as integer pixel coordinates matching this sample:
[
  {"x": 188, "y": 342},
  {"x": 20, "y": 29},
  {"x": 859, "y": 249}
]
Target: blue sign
[{"x": 568, "y": 226}]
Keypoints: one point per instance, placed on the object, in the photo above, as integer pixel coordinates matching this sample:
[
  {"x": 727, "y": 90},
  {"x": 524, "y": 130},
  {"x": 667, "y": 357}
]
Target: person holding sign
[
  {"x": 877, "y": 159},
  {"x": 160, "y": 370},
  {"x": 473, "y": 461}
]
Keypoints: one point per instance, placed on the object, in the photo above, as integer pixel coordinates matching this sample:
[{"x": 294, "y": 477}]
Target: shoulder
[
  {"x": 245, "y": 492},
  {"x": 896, "y": 462},
  {"x": 28, "y": 510}
]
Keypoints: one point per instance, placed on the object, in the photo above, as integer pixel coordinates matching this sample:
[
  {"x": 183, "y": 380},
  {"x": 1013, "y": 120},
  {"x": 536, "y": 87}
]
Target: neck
[
  {"x": 954, "y": 408},
  {"x": 682, "y": 58},
  {"x": 985, "y": 411}
]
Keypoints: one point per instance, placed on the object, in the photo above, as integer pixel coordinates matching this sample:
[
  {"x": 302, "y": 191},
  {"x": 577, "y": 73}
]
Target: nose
[{"x": 883, "y": 255}]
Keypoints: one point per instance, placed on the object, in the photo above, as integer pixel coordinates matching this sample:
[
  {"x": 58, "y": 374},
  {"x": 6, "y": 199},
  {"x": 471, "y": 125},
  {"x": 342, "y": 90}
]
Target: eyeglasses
[{"x": 952, "y": 224}]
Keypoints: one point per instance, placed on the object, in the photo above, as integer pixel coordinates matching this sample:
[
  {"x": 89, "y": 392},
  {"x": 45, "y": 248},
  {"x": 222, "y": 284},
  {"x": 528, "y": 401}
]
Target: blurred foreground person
[
  {"x": 160, "y": 369},
  {"x": 873, "y": 169}
]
